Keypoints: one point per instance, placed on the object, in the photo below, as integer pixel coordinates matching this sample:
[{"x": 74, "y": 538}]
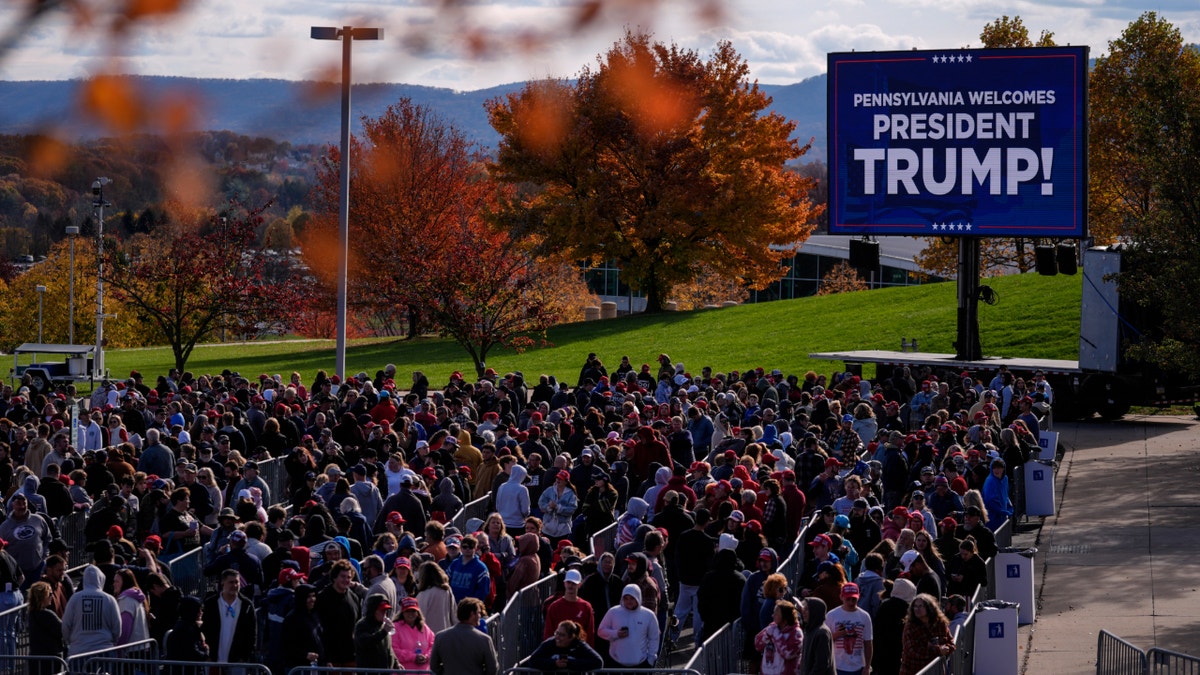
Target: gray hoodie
[
  {"x": 92, "y": 619},
  {"x": 818, "y": 641},
  {"x": 512, "y": 499}
]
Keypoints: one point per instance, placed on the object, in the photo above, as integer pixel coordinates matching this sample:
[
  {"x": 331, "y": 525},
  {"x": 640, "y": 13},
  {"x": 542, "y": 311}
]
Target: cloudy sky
[{"x": 482, "y": 43}]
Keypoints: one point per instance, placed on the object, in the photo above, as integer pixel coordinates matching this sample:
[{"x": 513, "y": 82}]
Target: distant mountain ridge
[{"x": 288, "y": 110}]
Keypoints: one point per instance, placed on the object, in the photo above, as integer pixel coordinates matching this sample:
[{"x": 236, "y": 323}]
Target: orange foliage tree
[
  {"x": 843, "y": 278},
  {"x": 659, "y": 160},
  {"x": 414, "y": 180}
]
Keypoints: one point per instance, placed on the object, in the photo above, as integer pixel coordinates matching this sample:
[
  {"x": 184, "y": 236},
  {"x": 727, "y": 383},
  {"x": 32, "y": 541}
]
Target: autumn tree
[
  {"x": 996, "y": 255},
  {"x": 708, "y": 288},
  {"x": 842, "y": 278},
  {"x": 414, "y": 180},
  {"x": 19, "y": 303},
  {"x": 486, "y": 291},
  {"x": 659, "y": 160},
  {"x": 199, "y": 276},
  {"x": 1144, "y": 145}
]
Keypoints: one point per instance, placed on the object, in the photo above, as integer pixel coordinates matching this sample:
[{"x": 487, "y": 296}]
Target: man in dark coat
[{"x": 230, "y": 606}]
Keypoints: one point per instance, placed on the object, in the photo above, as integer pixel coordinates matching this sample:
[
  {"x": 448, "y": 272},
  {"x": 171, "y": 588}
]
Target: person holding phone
[{"x": 631, "y": 630}]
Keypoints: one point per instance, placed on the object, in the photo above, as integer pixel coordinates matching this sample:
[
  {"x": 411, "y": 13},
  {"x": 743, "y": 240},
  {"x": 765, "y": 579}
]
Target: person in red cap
[
  {"x": 373, "y": 635},
  {"x": 413, "y": 639},
  {"x": 853, "y": 635}
]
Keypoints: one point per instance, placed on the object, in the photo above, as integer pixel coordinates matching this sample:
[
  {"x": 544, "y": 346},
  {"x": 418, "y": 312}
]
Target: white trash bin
[
  {"x": 1039, "y": 488},
  {"x": 995, "y": 638},
  {"x": 1014, "y": 581},
  {"x": 1047, "y": 445}
]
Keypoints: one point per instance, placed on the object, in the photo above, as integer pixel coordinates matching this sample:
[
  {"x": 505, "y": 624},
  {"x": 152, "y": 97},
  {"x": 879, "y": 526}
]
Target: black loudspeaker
[
  {"x": 1067, "y": 263},
  {"x": 864, "y": 256},
  {"x": 1044, "y": 260}
]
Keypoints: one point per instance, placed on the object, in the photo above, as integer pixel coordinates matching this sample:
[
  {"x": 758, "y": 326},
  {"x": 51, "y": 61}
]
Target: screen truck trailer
[{"x": 1101, "y": 382}]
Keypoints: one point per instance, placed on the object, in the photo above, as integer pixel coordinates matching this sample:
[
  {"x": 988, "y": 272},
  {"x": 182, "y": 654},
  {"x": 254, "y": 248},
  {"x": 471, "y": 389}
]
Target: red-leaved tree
[{"x": 201, "y": 275}]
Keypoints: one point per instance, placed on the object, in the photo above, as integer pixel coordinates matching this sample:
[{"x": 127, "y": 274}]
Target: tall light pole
[
  {"x": 72, "y": 232},
  {"x": 98, "y": 204},
  {"x": 41, "y": 291},
  {"x": 347, "y": 34}
]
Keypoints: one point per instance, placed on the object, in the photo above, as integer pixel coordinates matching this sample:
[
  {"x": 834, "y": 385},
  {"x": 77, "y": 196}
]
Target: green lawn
[{"x": 1036, "y": 317}]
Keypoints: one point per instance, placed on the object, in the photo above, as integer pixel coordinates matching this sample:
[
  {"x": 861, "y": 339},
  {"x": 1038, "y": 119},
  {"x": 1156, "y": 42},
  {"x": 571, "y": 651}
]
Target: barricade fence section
[
  {"x": 604, "y": 541},
  {"x": 32, "y": 665},
  {"x": 523, "y": 620},
  {"x": 1115, "y": 656},
  {"x": 1166, "y": 662},
  {"x": 14, "y": 631},
  {"x": 314, "y": 670},
  {"x": 132, "y": 654},
  {"x": 475, "y": 509},
  {"x": 721, "y": 653},
  {"x": 187, "y": 573},
  {"x": 71, "y": 529},
  {"x": 112, "y": 665},
  {"x": 275, "y": 476},
  {"x": 522, "y": 670}
]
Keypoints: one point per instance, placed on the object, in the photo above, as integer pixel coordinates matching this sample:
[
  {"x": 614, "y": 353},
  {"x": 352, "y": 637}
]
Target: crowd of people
[{"x": 709, "y": 479}]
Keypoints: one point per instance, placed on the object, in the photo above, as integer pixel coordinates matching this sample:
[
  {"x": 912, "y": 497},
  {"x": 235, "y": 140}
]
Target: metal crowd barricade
[
  {"x": 1115, "y": 656},
  {"x": 132, "y": 654},
  {"x": 316, "y": 670},
  {"x": 519, "y": 670},
  {"x": 71, "y": 529},
  {"x": 721, "y": 653},
  {"x": 604, "y": 541},
  {"x": 14, "y": 631},
  {"x": 187, "y": 573},
  {"x": 935, "y": 667},
  {"x": 475, "y": 509},
  {"x": 522, "y": 620},
  {"x": 112, "y": 665},
  {"x": 275, "y": 476},
  {"x": 1167, "y": 662},
  {"x": 32, "y": 665}
]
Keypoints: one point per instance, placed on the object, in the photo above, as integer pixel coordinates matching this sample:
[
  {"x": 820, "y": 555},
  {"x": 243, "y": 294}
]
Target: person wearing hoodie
[
  {"x": 529, "y": 567},
  {"x": 29, "y": 488},
  {"x": 446, "y": 501},
  {"x": 305, "y": 645},
  {"x": 132, "y": 603},
  {"x": 646, "y": 450},
  {"x": 661, "y": 477},
  {"x": 631, "y": 630},
  {"x": 629, "y": 522},
  {"x": 92, "y": 620},
  {"x": 888, "y": 624},
  {"x": 512, "y": 499},
  {"x": 186, "y": 641},
  {"x": 565, "y": 650},
  {"x": 373, "y": 635},
  {"x": 818, "y": 640},
  {"x": 28, "y": 536}
]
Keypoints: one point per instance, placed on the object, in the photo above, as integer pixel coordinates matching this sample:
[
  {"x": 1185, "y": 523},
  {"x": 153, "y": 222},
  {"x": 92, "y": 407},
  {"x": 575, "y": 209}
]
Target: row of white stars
[
  {"x": 951, "y": 227},
  {"x": 952, "y": 59}
]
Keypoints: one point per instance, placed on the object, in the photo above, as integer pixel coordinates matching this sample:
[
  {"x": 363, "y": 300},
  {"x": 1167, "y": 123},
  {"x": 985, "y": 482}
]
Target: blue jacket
[{"x": 469, "y": 579}]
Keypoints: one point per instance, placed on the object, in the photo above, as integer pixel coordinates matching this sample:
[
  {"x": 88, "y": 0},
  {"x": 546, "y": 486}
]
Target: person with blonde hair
[{"x": 45, "y": 628}]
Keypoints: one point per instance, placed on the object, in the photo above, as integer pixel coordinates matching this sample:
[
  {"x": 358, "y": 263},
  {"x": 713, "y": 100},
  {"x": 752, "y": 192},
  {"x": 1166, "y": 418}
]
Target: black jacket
[
  {"x": 719, "y": 599},
  {"x": 304, "y": 635},
  {"x": 694, "y": 551},
  {"x": 372, "y": 639},
  {"x": 245, "y": 638},
  {"x": 338, "y": 614},
  {"x": 45, "y": 633},
  {"x": 580, "y": 657}
]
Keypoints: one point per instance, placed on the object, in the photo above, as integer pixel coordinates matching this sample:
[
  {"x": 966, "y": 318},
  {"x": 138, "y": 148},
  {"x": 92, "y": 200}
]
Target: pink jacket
[{"x": 405, "y": 641}]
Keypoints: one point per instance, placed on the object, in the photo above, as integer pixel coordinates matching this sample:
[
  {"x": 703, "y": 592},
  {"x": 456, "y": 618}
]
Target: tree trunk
[
  {"x": 414, "y": 318},
  {"x": 655, "y": 293}
]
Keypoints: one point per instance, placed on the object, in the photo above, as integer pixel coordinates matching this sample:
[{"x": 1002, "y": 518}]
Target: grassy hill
[{"x": 1036, "y": 317}]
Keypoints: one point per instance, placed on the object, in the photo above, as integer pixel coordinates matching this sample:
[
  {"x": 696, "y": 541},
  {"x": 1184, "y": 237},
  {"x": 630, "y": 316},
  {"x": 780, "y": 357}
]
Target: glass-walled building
[{"x": 816, "y": 258}]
